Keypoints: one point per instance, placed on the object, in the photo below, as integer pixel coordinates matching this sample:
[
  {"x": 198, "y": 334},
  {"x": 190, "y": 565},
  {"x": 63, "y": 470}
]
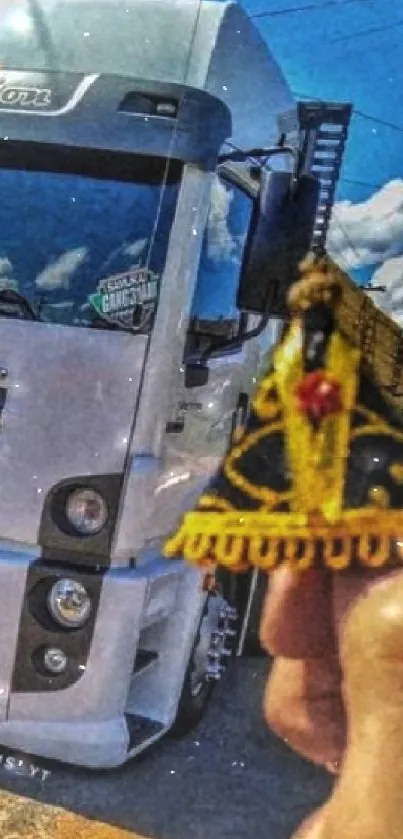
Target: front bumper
[
  {"x": 83, "y": 723},
  {"x": 90, "y": 722},
  {"x": 103, "y": 744}
]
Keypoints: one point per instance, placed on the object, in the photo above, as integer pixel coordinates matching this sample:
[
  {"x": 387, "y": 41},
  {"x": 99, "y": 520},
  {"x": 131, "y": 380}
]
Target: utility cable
[
  {"x": 370, "y": 31},
  {"x": 361, "y": 183},
  {"x": 308, "y": 8}
]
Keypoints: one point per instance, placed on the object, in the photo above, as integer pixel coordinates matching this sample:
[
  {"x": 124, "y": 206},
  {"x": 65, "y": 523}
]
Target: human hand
[{"x": 335, "y": 693}]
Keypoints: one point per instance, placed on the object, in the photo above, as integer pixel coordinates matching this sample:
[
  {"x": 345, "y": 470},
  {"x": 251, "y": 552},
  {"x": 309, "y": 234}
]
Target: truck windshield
[{"x": 84, "y": 235}]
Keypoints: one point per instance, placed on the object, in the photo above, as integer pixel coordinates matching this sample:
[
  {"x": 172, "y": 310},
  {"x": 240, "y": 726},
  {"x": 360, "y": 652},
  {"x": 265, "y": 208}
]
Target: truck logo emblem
[
  {"x": 118, "y": 298},
  {"x": 24, "y": 96}
]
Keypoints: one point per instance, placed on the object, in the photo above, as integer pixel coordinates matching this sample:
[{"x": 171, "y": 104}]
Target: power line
[
  {"x": 361, "y": 183},
  {"x": 309, "y": 7},
  {"x": 378, "y": 120},
  {"x": 371, "y": 31}
]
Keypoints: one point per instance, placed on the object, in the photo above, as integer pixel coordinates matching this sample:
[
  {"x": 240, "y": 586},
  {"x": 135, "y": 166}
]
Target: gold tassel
[
  {"x": 292, "y": 549},
  {"x": 197, "y": 548},
  {"x": 229, "y": 550},
  {"x": 174, "y": 547},
  {"x": 374, "y": 551},
  {"x": 337, "y": 561},
  {"x": 263, "y": 540},
  {"x": 263, "y": 553}
]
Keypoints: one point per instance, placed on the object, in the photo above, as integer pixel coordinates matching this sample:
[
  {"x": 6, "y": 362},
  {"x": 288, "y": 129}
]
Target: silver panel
[
  {"x": 94, "y": 744},
  {"x": 167, "y": 472},
  {"x": 189, "y": 459},
  {"x": 69, "y": 410},
  {"x": 13, "y": 572},
  {"x": 156, "y": 692},
  {"x": 201, "y": 43},
  {"x": 85, "y": 724},
  {"x": 162, "y": 372}
]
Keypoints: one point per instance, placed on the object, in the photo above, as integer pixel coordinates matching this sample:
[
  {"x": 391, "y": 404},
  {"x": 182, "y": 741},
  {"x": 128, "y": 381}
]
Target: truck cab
[{"x": 135, "y": 201}]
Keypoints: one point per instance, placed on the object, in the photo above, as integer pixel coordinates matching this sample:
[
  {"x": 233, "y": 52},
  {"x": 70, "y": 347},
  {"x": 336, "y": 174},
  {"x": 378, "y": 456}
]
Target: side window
[{"x": 221, "y": 257}]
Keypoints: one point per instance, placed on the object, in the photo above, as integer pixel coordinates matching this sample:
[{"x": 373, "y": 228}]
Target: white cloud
[
  {"x": 220, "y": 243},
  {"x": 60, "y": 272},
  {"x": 370, "y": 232},
  {"x": 6, "y": 266},
  {"x": 7, "y": 280},
  {"x": 390, "y": 276},
  {"x": 136, "y": 248}
]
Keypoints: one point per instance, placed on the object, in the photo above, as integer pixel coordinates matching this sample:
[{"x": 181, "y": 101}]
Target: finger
[
  {"x": 367, "y": 799},
  {"x": 303, "y": 702},
  {"x": 348, "y": 588},
  {"x": 312, "y": 828},
  {"x": 303, "y": 705},
  {"x": 297, "y": 620}
]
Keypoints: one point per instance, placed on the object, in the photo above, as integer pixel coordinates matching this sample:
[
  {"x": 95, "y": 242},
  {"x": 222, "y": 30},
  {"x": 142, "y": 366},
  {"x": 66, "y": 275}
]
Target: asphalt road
[{"x": 230, "y": 778}]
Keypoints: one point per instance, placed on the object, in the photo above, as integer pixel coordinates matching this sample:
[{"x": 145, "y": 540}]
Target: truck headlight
[
  {"x": 86, "y": 511},
  {"x": 69, "y": 603}
]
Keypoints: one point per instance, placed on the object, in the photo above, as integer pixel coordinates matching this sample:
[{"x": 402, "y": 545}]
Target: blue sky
[
  {"x": 353, "y": 51},
  {"x": 364, "y": 69}
]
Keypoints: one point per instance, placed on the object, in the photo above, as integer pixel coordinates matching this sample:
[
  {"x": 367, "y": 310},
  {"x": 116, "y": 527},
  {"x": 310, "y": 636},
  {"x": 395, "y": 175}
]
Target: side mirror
[
  {"x": 279, "y": 237},
  {"x": 196, "y": 375}
]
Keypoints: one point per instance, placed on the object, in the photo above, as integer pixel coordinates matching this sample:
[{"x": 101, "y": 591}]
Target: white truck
[{"x": 158, "y": 186}]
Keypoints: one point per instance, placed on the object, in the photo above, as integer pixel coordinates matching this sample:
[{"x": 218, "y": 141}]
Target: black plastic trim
[
  {"x": 58, "y": 539},
  {"x": 141, "y": 729},
  {"x": 38, "y": 629},
  {"x": 97, "y": 121}
]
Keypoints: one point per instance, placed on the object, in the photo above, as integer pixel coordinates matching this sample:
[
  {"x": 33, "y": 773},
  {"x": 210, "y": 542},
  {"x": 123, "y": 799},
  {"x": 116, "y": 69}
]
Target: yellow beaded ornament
[{"x": 316, "y": 474}]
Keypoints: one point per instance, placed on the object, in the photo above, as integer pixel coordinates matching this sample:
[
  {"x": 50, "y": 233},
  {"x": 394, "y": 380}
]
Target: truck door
[{"x": 203, "y": 417}]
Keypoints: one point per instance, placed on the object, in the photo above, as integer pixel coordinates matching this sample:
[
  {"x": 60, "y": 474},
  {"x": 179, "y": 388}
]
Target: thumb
[{"x": 367, "y": 801}]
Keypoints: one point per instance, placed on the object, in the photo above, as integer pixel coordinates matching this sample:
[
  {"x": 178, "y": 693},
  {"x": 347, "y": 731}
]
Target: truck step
[
  {"x": 324, "y": 130},
  {"x": 141, "y": 730}
]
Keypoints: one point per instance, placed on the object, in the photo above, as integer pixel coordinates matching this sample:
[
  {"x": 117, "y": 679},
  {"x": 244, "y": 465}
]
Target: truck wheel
[
  {"x": 217, "y": 642},
  {"x": 213, "y": 646}
]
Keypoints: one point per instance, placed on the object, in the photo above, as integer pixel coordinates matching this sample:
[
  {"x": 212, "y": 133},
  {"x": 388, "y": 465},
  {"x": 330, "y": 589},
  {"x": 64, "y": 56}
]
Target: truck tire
[
  {"x": 198, "y": 686},
  {"x": 234, "y": 590}
]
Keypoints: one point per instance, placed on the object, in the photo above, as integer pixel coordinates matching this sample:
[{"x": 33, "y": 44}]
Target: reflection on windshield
[
  {"x": 82, "y": 249},
  {"x": 222, "y": 252}
]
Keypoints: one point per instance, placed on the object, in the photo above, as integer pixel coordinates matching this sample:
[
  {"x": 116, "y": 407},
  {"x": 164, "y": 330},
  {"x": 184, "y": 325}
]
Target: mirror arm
[
  {"x": 258, "y": 154},
  {"x": 233, "y": 343}
]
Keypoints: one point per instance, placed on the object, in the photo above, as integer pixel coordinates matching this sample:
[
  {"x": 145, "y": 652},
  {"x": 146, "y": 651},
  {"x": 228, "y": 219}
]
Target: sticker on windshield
[{"x": 129, "y": 298}]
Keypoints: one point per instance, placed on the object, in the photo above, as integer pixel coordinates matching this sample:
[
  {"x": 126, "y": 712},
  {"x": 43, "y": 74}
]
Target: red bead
[{"x": 319, "y": 395}]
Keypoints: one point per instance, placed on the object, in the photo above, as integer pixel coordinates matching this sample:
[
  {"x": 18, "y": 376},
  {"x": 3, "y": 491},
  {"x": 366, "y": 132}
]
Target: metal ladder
[{"x": 323, "y": 135}]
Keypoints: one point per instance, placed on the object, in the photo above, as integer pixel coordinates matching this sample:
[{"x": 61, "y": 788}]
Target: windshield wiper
[{"x": 15, "y": 298}]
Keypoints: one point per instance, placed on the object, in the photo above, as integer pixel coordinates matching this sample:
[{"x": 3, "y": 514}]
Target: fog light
[
  {"x": 87, "y": 511},
  {"x": 69, "y": 603},
  {"x": 55, "y": 660}
]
